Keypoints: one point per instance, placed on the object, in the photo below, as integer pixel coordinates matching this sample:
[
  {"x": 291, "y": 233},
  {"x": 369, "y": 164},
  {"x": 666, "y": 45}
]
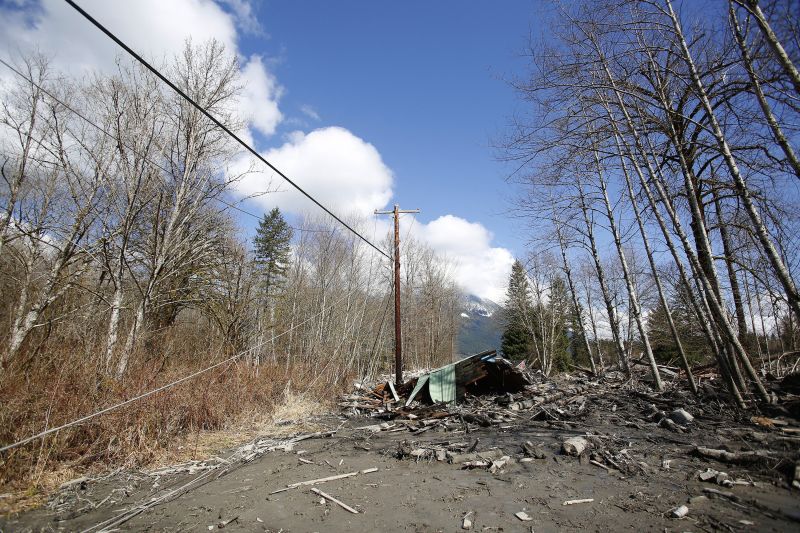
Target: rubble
[
  {"x": 464, "y": 415},
  {"x": 680, "y": 512},
  {"x": 574, "y": 446},
  {"x": 577, "y": 436},
  {"x": 680, "y": 416}
]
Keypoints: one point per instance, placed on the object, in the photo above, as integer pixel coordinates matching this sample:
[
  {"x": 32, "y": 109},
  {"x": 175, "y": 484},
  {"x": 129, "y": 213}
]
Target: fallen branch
[
  {"x": 725, "y": 456},
  {"x": 334, "y": 500},
  {"x": 324, "y": 479}
]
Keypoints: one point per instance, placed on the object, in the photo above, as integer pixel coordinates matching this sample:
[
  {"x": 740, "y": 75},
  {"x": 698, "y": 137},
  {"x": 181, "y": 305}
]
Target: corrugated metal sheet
[
  {"x": 420, "y": 383},
  {"x": 442, "y": 384}
]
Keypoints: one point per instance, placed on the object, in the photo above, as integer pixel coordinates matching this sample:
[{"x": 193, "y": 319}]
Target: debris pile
[{"x": 448, "y": 411}]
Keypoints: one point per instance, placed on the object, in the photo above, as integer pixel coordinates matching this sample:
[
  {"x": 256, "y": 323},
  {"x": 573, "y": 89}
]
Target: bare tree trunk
[
  {"x": 777, "y": 48},
  {"x": 727, "y": 248},
  {"x": 593, "y": 324},
  {"x": 656, "y": 277},
  {"x": 612, "y": 317},
  {"x": 634, "y": 307},
  {"x": 774, "y": 127},
  {"x": 113, "y": 326},
  {"x": 715, "y": 305},
  {"x": 37, "y": 72},
  {"x": 779, "y": 267},
  {"x": 575, "y": 303}
]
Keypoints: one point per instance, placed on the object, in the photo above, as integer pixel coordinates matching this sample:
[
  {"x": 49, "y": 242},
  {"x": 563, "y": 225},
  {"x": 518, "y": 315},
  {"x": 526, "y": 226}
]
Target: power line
[
  {"x": 114, "y": 407},
  {"x": 211, "y": 117}
]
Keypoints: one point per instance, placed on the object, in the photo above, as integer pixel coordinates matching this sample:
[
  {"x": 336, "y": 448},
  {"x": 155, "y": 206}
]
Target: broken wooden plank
[
  {"x": 394, "y": 391},
  {"x": 326, "y": 479},
  {"x": 575, "y": 502},
  {"x": 334, "y": 500}
]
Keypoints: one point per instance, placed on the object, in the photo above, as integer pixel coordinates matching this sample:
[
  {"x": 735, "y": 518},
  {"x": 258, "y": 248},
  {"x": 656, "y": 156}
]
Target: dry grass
[
  {"x": 218, "y": 410},
  {"x": 290, "y": 416}
]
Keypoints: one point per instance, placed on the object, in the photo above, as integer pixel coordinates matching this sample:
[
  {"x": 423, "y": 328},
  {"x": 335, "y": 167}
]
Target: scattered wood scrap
[{"x": 334, "y": 500}]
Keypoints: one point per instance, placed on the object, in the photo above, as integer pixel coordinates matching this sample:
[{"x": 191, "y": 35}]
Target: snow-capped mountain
[
  {"x": 481, "y": 326},
  {"x": 480, "y": 306}
]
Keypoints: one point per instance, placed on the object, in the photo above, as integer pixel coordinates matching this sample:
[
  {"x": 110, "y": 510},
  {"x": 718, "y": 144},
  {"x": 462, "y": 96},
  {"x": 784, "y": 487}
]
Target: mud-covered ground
[{"x": 636, "y": 470}]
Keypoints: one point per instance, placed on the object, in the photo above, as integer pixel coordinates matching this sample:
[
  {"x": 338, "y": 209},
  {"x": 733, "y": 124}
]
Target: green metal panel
[
  {"x": 420, "y": 383},
  {"x": 442, "y": 384}
]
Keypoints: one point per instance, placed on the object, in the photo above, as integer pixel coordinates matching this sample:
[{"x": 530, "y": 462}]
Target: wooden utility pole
[{"x": 398, "y": 345}]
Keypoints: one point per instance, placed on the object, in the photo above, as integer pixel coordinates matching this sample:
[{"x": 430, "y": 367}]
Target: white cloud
[
  {"x": 309, "y": 111},
  {"x": 348, "y": 175},
  {"x": 259, "y": 104},
  {"x": 480, "y": 268},
  {"x": 245, "y": 17},
  {"x": 156, "y": 29},
  {"x": 342, "y": 171}
]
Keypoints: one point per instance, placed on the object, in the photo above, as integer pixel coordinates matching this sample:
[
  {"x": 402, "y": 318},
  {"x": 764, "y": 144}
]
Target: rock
[
  {"x": 574, "y": 446},
  {"x": 694, "y": 500},
  {"x": 723, "y": 479},
  {"x": 708, "y": 475},
  {"x": 532, "y": 451},
  {"x": 680, "y": 416},
  {"x": 715, "y": 476},
  {"x": 522, "y": 515},
  {"x": 654, "y": 414},
  {"x": 679, "y": 512},
  {"x": 466, "y": 523},
  {"x": 500, "y": 463},
  {"x": 671, "y": 425}
]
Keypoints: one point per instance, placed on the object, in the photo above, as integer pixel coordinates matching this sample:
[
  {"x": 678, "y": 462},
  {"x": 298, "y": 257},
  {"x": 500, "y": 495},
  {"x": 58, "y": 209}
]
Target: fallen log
[{"x": 741, "y": 458}]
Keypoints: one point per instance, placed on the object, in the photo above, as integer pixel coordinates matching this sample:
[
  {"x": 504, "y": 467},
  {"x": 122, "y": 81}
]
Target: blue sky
[
  {"x": 365, "y": 104},
  {"x": 421, "y": 81}
]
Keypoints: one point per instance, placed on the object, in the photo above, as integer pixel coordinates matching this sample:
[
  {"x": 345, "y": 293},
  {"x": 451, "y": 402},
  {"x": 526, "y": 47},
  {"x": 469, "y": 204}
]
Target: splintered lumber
[
  {"x": 334, "y": 500},
  {"x": 394, "y": 392},
  {"x": 601, "y": 465},
  {"x": 574, "y": 502},
  {"x": 325, "y": 479},
  {"x": 321, "y": 480}
]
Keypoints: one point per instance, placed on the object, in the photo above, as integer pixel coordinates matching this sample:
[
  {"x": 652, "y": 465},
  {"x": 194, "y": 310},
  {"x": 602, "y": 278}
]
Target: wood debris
[
  {"x": 334, "y": 500},
  {"x": 576, "y": 502}
]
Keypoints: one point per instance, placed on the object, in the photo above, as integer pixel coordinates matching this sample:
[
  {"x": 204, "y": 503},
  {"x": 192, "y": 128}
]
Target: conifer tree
[
  {"x": 517, "y": 339},
  {"x": 272, "y": 248}
]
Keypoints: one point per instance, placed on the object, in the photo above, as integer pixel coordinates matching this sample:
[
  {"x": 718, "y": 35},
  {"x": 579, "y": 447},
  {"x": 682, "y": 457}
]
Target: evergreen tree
[
  {"x": 272, "y": 248},
  {"x": 516, "y": 340},
  {"x": 560, "y": 313},
  {"x": 690, "y": 332}
]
